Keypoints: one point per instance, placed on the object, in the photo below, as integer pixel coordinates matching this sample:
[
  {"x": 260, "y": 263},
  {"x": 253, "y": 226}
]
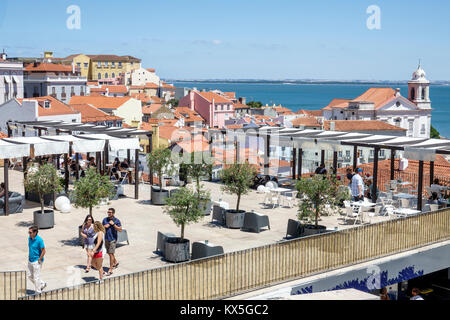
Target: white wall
[{"x": 14, "y": 111}]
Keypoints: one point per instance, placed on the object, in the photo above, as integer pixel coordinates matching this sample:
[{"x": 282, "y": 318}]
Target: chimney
[
  {"x": 243, "y": 100},
  {"x": 3, "y": 56},
  {"x": 73, "y": 67},
  {"x": 332, "y": 125},
  {"x": 107, "y": 92},
  {"x": 397, "y": 92}
]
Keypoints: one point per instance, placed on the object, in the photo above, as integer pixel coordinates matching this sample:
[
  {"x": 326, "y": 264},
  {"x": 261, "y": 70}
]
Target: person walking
[
  {"x": 99, "y": 248},
  {"x": 36, "y": 252},
  {"x": 112, "y": 225},
  {"x": 88, "y": 233},
  {"x": 358, "y": 185}
]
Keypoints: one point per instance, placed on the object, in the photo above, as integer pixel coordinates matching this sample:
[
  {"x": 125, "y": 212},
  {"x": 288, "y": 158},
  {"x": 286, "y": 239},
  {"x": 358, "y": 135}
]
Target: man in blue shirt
[
  {"x": 36, "y": 252},
  {"x": 112, "y": 225}
]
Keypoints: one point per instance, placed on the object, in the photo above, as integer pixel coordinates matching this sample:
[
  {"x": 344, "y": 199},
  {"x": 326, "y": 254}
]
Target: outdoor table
[
  {"x": 406, "y": 211},
  {"x": 363, "y": 204},
  {"x": 405, "y": 196},
  {"x": 223, "y": 204}
]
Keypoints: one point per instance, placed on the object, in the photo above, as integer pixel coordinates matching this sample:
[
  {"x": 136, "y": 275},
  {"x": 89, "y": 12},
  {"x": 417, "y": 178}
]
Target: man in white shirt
[
  {"x": 416, "y": 294},
  {"x": 358, "y": 186}
]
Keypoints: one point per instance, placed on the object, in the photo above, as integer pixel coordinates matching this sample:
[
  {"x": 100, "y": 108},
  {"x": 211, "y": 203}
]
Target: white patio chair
[
  {"x": 390, "y": 212},
  {"x": 274, "y": 198},
  {"x": 290, "y": 198},
  {"x": 261, "y": 189},
  {"x": 405, "y": 203},
  {"x": 354, "y": 213},
  {"x": 434, "y": 207},
  {"x": 267, "y": 197}
]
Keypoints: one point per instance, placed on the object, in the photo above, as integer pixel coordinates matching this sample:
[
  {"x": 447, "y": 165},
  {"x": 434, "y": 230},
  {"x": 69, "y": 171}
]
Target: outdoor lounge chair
[
  {"x": 218, "y": 214},
  {"x": 203, "y": 250},
  {"x": 255, "y": 221},
  {"x": 161, "y": 241},
  {"x": 16, "y": 202},
  {"x": 294, "y": 229}
]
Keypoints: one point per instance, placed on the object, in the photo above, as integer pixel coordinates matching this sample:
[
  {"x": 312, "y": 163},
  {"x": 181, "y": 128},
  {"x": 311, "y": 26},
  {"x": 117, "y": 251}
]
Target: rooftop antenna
[{"x": 419, "y": 62}]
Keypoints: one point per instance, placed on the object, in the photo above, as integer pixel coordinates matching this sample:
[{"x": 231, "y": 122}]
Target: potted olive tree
[
  {"x": 43, "y": 180},
  {"x": 90, "y": 189},
  {"x": 199, "y": 166},
  {"x": 319, "y": 192},
  {"x": 160, "y": 161},
  {"x": 183, "y": 208},
  {"x": 237, "y": 179}
]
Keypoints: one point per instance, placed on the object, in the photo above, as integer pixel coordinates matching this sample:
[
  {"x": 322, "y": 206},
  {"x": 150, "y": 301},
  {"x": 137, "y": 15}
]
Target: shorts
[
  {"x": 98, "y": 255},
  {"x": 89, "y": 246},
  {"x": 110, "y": 246}
]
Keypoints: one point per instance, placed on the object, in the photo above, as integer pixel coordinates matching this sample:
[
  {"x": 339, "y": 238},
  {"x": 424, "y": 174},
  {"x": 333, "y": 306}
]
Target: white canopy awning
[
  {"x": 80, "y": 145},
  {"x": 41, "y": 146},
  {"x": 115, "y": 143},
  {"x": 9, "y": 150}
]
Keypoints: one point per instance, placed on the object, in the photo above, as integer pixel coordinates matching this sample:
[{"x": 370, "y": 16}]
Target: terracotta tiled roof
[
  {"x": 361, "y": 125},
  {"x": 281, "y": 109},
  {"x": 150, "y": 70},
  {"x": 56, "y": 107},
  {"x": 92, "y": 114},
  {"x": 379, "y": 96},
  {"x": 111, "y": 57},
  {"x": 151, "y": 108},
  {"x": 337, "y": 103},
  {"x": 173, "y": 133},
  {"x": 240, "y": 106},
  {"x": 230, "y": 95},
  {"x": 116, "y": 89},
  {"x": 48, "y": 67},
  {"x": 198, "y": 144},
  {"x": 167, "y": 86},
  {"x": 209, "y": 96},
  {"x": 188, "y": 115},
  {"x": 2, "y": 134},
  {"x": 100, "y": 102},
  {"x": 92, "y": 83},
  {"x": 234, "y": 126},
  {"x": 306, "y": 121},
  {"x": 148, "y": 85},
  {"x": 313, "y": 113}
]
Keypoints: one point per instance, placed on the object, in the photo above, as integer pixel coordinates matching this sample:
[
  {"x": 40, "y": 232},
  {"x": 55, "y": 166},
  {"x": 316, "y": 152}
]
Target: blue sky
[{"x": 258, "y": 39}]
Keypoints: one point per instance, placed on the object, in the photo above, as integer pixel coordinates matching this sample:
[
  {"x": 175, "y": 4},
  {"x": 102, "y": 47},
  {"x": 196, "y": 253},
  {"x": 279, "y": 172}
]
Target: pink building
[{"x": 214, "y": 108}]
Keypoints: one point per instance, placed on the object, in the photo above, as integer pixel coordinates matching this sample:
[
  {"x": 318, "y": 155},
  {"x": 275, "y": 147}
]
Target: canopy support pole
[
  {"x": 98, "y": 160},
  {"x": 322, "y": 157},
  {"x": 77, "y": 168},
  {"x": 431, "y": 172},
  {"x": 335, "y": 159},
  {"x": 355, "y": 158},
  {"x": 294, "y": 158},
  {"x": 299, "y": 163},
  {"x": 420, "y": 186},
  {"x": 136, "y": 174},
  {"x": 24, "y": 167},
  {"x": 392, "y": 163},
  {"x": 6, "y": 181},
  {"x": 66, "y": 172},
  {"x": 267, "y": 155},
  {"x": 375, "y": 175}
]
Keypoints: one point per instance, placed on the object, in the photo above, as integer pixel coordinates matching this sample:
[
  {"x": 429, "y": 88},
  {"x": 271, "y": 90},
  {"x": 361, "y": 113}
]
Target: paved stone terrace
[{"x": 65, "y": 259}]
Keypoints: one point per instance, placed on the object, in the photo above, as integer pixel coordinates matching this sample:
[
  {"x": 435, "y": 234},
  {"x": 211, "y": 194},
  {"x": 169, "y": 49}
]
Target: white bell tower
[{"x": 419, "y": 89}]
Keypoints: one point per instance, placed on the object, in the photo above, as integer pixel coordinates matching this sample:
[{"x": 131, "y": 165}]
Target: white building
[
  {"x": 140, "y": 77},
  {"x": 36, "y": 109},
  {"x": 11, "y": 79},
  {"x": 388, "y": 105},
  {"x": 58, "y": 81}
]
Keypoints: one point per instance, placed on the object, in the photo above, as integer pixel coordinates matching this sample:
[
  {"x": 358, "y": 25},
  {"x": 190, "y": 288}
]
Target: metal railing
[
  {"x": 236, "y": 272},
  {"x": 13, "y": 284}
]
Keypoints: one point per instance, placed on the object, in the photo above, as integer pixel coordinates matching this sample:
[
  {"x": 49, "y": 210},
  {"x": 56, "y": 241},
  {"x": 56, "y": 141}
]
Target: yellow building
[{"x": 103, "y": 67}]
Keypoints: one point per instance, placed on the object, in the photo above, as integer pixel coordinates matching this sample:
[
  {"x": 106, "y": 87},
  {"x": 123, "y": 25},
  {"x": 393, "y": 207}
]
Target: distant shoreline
[{"x": 294, "y": 82}]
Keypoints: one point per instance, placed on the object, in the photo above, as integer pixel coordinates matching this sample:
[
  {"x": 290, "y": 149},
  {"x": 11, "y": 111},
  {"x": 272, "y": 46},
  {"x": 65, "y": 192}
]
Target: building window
[
  {"x": 99, "y": 76},
  {"x": 79, "y": 64},
  {"x": 54, "y": 90},
  {"x": 382, "y": 153},
  {"x": 105, "y": 64},
  {"x": 422, "y": 129},
  {"x": 113, "y": 64},
  {"x": 423, "y": 94},
  {"x": 397, "y": 122},
  {"x": 120, "y": 64},
  {"x": 47, "y": 104},
  {"x": 106, "y": 75},
  {"x": 340, "y": 154},
  {"x": 413, "y": 94},
  {"x": 72, "y": 91},
  {"x": 347, "y": 153},
  {"x": 86, "y": 64},
  {"x": 113, "y": 75},
  {"x": 398, "y": 103},
  {"x": 99, "y": 64}
]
